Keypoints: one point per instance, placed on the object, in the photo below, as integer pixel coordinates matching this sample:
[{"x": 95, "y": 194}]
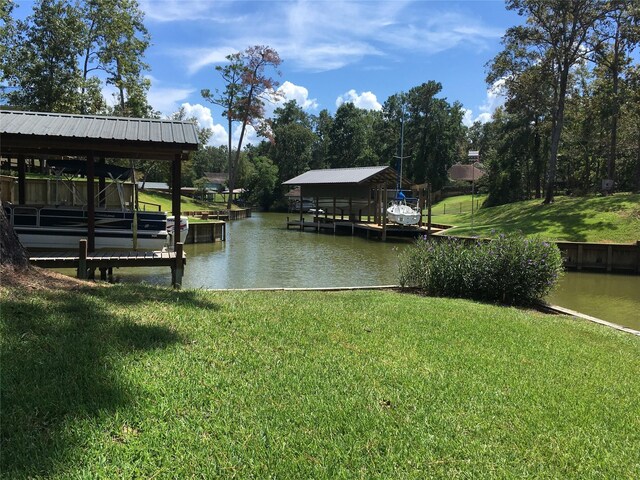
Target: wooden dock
[
  {"x": 86, "y": 264},
  {"x": 361, "y": 227}
]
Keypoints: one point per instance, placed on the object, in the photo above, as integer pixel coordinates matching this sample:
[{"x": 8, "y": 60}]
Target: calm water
[{"x": 261, "y": 252}]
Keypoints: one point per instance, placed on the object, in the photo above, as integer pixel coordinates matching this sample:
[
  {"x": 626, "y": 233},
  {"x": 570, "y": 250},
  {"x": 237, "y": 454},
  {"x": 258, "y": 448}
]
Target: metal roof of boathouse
[
  {"x": 355, "y": 175},
  {"x": 22, "y": 130}
]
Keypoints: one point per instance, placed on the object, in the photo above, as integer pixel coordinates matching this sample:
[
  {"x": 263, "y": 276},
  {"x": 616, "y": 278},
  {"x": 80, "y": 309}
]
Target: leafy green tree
[
  {"x": 322, "y": 125},
  {"x": 557, "y": 34},
  {"x": 293, "y": 140},
  {"x": 612, "y": 42},
  {"x": 261, "y": 181},
  {"x": 347, "y": 138},
  {"x": 433, "y": 134},
  {"x": 41, "y": 71}
]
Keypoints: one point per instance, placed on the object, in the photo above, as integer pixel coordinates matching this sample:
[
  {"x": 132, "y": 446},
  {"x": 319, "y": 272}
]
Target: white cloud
[
  {"x": 484, "y": 117},
  {"x": 467, "y": 118},
  {"x": 300, "y": 94},
  {"x": 288, "y": 91},
  {"x": 205, "y": 120},
  {"x": 250, "y": 136},
  {"x": 164, "y": 11},
  {"x": 198, "y": 58},
  {"x": 364, "y": 100},
  {"x": 495, "y": 98},
  {"x": 167, "y": 99},
  {"x": 219, "y": 132},
  {"x": 323, "y": 36}
]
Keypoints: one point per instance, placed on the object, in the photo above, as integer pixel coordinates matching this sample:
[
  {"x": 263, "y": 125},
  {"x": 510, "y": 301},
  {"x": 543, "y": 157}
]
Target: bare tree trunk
[
  {"x": 11, "y": 250},
  {"x": 557, "y": 124},
  {"x": 231, "y": 183}
]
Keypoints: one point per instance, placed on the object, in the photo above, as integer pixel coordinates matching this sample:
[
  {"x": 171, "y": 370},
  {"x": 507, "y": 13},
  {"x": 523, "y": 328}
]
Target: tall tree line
[
  {"x": 61, "y": 56},
  {"x": 571, "y": 112},
  {"x": 434, "y": 139}
]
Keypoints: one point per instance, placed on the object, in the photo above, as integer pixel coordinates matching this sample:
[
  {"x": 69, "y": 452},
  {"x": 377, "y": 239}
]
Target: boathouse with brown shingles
[{"x": 44, "y": 135}]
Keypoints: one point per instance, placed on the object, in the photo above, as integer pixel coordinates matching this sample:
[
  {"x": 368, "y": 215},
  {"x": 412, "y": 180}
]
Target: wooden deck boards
[{"x": 107, "y": 259}]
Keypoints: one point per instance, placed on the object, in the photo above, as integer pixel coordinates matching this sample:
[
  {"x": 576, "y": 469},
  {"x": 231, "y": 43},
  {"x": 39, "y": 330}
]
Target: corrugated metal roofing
[
  {"x": 340, "y": 175},
  {"x": 98, "y": 127}
]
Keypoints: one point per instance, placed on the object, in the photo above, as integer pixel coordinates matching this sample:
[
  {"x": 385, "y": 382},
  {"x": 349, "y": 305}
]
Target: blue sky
[{"x": 332, "y": 51}]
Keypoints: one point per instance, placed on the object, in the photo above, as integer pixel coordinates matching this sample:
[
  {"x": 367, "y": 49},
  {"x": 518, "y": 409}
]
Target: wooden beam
[
  {"x": 46, "y": 145},
  {"x": 102, "y": 184},
  {"x": 91, "y": 204},
  {"x": 176, "y": 178},
  {"x": 22, "y": 175}
]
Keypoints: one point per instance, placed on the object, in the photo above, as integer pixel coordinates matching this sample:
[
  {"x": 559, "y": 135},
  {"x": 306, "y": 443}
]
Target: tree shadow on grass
[{"x": 56, "y": 361}]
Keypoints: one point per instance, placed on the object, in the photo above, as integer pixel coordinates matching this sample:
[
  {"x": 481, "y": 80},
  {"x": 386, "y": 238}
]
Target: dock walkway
[
  {"x": 86, "y": 264},
  {"x": 338, "y": 225}
]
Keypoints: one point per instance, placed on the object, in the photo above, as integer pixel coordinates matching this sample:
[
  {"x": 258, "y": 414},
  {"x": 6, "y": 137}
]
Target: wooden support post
[
  {"x": 176, "y": 174},
  {"x": 301, "y": 217},
  {"x": 428, "y": 209},
  {"x": 91, "y": 203},
  {"x": 178, "y": 270},
  {"x": 334, "y": 214},
  {"x": 384, "y": 214},
  {"x": 103, "y": 273},
  {"x": 350, "y": 209},
  {"x": 102, "y": 185},
  {"x": 22, "y": 175},
  {"x": 579, "y": 259},
  {"x": 609, "y": 258},
  {"x": 82, "y": 259},
  {"x": 420, "y": 204},
  {"x": 369, "y": 206}
]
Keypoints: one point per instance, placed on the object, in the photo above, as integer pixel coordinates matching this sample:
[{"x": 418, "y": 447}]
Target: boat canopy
[{"x": 79, "y": 167}]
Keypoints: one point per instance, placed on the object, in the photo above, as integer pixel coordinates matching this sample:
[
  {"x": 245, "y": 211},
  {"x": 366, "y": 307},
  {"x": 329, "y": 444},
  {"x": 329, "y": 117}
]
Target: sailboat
[{"x": 398, "y": 210}]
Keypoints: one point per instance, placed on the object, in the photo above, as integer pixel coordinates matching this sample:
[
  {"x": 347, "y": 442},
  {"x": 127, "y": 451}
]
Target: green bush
[{"x": 510, "y": 269}]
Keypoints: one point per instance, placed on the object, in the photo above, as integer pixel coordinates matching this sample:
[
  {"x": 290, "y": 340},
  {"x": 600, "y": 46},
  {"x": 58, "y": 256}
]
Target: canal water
[{"x": 260, "y": 252}]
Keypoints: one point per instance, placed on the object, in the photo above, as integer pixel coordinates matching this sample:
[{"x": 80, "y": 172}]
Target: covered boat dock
[
  {"x": 354, "y": 200},
  {"x": 93, "y": 139}
]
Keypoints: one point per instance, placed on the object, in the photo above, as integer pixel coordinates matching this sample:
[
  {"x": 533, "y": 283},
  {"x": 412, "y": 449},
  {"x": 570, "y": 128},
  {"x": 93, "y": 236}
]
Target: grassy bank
[
  {"x": 132, "y": 381},
  {"x": 615, "y": 218},
  {"x": 186, "y": 203}
]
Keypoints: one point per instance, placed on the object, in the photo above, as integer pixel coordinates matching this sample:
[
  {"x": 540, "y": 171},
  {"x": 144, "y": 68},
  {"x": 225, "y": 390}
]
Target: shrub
[{"x": 510, "y": 269}]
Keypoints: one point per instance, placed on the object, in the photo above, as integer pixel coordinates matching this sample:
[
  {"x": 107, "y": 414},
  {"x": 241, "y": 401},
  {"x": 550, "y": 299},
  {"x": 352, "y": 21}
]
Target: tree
[
  {"x": 557, "y": 32},
  {"x": 246, "y": 85},
  {"x": 293, "y": 140},
  {"x": 322, "y": 125},
  {"x": 347, "y": 138},
  {"x": 41, "y": 72},
  {"x": 261, "y": 181},
  {"x": 11, "y": 250},
  {"x": 51, "y": 59},
  {"x": 614, "y": 38},
  {"x": 433, "y": 132}
]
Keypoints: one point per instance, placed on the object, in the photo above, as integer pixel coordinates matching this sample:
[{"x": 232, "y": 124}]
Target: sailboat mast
[{"x": 401, "y": 150}]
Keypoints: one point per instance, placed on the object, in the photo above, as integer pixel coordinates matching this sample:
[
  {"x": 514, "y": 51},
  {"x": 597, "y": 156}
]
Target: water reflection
[{"x": 615, "y": 298}]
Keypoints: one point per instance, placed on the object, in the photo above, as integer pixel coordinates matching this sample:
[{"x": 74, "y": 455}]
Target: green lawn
[
  {"x": 186, "y": 203},
  {"x": 139, "y": 382},
  {"x": 615, "y": 218}
]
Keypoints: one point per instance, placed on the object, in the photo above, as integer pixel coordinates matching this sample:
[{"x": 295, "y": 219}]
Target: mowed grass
[
  {"x": 140, "y": 382},
  {"x": 614, "y": 219},
  {"x": 186, "y": 203}
]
